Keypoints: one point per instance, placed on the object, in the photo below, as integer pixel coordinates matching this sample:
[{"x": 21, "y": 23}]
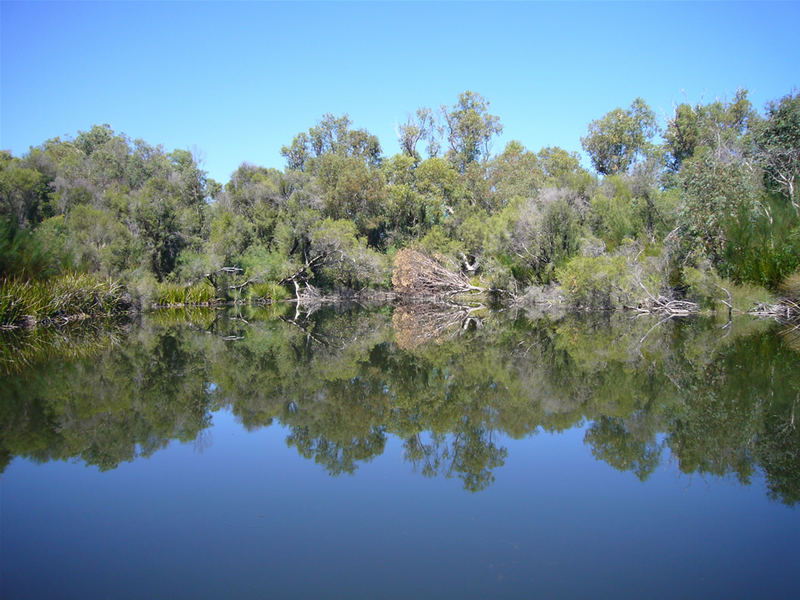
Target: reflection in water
[{"x": 720, "y": 400}]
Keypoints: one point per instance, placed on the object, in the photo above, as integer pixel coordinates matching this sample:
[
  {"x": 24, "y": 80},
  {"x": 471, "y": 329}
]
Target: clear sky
[{"x": 236, "y": 81}]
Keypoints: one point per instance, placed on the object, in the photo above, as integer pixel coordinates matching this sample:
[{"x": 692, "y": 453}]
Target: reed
[
  {"x": 65, "y": 297},
  {"x": 176, "y": 294},
  {"x": 266, "y": 292}
]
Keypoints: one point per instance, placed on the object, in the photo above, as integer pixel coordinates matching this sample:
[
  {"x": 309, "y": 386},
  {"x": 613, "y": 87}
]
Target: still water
[{"x": 417, "y": 452}]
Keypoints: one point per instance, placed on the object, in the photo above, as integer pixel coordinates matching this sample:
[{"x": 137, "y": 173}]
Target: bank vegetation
[{"x": 698, "y": 212}]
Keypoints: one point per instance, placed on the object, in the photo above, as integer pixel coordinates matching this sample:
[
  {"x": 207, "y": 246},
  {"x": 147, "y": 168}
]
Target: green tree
[
  {"x": 718, "y": 126},
  {"x": 778, "y": 146},
  {"x": 469, "y": 129},
  {"x": 515, "y": 173},
  {"x": 616, "y": 141},
  {"x": 23, "y": 192},
  {"x": 714, "y": 192},
  {"x": 331, "y": 135},
  {"x": 421, "y": 126}
]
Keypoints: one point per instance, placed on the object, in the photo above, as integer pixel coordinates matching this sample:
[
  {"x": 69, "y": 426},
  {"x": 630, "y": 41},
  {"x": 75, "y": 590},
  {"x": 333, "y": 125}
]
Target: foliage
[
  {"x": 267, "y": 291},
  {"x": 597, "y": 282},
  {"x": 24, "y": 254},
  {"x": 763, "y": 246},
  {"x": 331, "y": 136},
  {"x": 469, "y": 129},
  {"x": 533, "y": 237},
  {"x": 716, "y": 191},
  {"x": 717, "y": 127},
  {"x": 778, "y": 144},
  {"x": 347, "y": 261},
  {"x": 711, "y": 291},
  {"x": 620, "y": 137}
]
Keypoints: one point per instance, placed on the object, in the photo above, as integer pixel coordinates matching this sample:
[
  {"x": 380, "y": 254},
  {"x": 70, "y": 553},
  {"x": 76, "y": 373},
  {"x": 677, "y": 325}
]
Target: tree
[
  {"x": 331, "y": 135},
  {"x": 558, "y": 164},
  {"x": 438, "y": 182},
  {"x": 778, "y": 145},
  {"x": 718, "y": 126},
  {"x": 620, "y": 137},
  {"x": 714, "y": 193},
  {"x": 422, "y": 126},
  {"x": 346, "y": 261},
  {"x": 23, "y": 192},
  {"x": 257, "y": 194},
  {"x": 469, "y": 129},
  {"x": 515, "y": 173}
]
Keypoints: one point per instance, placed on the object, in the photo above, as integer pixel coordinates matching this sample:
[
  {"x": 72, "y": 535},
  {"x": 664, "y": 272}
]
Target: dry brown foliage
[{"x": 418, "y": 275}]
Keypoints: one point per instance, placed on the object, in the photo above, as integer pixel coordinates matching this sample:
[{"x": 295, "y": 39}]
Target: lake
[{"x": 400, "y": 452}]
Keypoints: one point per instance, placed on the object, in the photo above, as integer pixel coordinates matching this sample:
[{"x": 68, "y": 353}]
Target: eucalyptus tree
[
  {"x": 421, "y": 126},
  {"x": 617, "y": 140},
  {"x": 778, "y": 146},
  {"x": 331, "y": 135},
  {"x": 469, "y": 129},
  {"x": 719, "y": 126},
  {"x": 346, "y": 164}
]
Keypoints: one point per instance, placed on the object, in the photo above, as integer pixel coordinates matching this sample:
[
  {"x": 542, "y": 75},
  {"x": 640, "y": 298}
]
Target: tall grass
[
  {"x": 791, "y": 287},
  {"x": 267, "y": 291},
  {"x": 173, "y": 294},
  {"x": 65, "y": 296}
]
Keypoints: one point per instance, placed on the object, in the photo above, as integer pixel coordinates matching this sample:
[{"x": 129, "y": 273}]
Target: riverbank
[{"x": 587, "y": 287}]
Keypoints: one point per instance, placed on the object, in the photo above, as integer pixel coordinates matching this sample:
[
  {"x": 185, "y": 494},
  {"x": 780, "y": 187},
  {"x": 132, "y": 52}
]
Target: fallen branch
[{"x": 418, "y": 275}]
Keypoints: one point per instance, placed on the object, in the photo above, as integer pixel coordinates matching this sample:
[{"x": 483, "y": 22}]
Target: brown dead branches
[{"x": 418, "y": 275}]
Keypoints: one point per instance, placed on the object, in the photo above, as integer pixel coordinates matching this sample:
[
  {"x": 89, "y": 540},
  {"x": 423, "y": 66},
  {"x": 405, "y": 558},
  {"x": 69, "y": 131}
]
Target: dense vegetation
[
  {"x": 670, "y": 213},
  {"x": 720, "y": 401}
]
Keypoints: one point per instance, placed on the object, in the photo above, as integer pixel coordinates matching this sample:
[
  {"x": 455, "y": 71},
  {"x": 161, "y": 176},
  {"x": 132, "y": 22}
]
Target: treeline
[{"x": 671, "y": 213}]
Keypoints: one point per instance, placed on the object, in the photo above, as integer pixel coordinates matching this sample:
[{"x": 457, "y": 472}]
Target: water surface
[{"x": 414, "y": 452}]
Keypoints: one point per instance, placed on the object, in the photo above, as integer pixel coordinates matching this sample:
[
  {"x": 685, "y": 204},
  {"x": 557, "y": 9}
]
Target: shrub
[
  {"x": 711, "y": 291},
  {"x": 597, "y": 282},
  {"x": 791, "y": 286}
]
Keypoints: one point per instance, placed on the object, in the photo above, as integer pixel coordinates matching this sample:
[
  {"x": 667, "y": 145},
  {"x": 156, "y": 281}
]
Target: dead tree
[
  {"x": 418, "y": 275},
  {"x": 300, "y": 276}
]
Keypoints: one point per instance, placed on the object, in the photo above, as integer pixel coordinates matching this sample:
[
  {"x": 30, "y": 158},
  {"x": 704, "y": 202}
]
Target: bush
[
  {"x": 597, "y": 282},
  {"x": 25, "y": 254},
  {"x": 791, "y": 286},
  {"x": 712, "y": 292},
  {"x": 762, "y": 247}
]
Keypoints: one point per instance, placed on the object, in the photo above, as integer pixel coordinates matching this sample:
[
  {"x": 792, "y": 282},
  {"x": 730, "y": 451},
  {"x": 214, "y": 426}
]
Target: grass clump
[
  {"x": 174, "y": 294},
  {"x": 791, "y": 286},
  {"x": 66, "y": 296},
  {"x": 268, "y": 291}
]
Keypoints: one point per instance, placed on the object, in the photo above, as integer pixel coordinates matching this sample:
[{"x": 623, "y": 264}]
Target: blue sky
[{"x": 236, "y": 81}]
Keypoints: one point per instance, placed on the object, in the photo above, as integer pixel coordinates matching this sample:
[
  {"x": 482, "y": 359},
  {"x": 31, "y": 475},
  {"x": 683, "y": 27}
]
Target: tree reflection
[{"x": 720, "y": 401}]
